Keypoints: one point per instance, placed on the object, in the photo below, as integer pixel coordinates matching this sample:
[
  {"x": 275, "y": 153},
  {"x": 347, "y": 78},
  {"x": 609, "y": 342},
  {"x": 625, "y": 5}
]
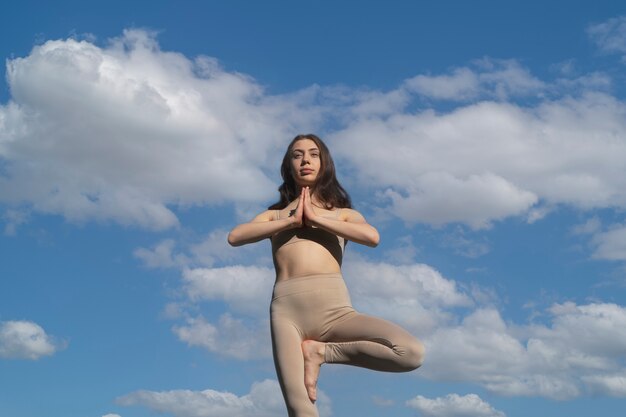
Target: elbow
[
  {"x": 232, "y": 239},
  {"x": 374, "y": 239}
]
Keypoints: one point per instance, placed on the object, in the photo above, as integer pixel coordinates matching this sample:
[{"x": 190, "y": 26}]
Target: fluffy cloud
[
  {"x": 414, "y": 295},
  {"x": 13, "y": 219},
  {"x": 581, "y": 351},
  {"x": 246, "y": 289},
  {"x": 479, "y": 199},
  {"x": 454, "y": 405},
  {"x": 126, "y": 132},
  {"x": 487, "y": 161},
  {"x": 610, "y": 244},
  {"x": 230, "y": 336},
  {"x": 162, "y": 255},
  {"x": 607, "y": 242},
  {"x": 499, "y": 79},
  {"x": 25, "y": 340},
  {"x": 614, "y": 385},
  {"x": 130, "y": 133},
  {"x": 209, "y": 251},
  {"x": 264, "y": 400}
]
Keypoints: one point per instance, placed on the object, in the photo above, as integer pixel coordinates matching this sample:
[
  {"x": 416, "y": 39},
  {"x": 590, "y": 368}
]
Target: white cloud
[
  {"x": 610, "y": 35},
  {"x": 610, "y": 244},
  {"x": 592, "y": 330},
  {"x": 214, "y": 249},
  {"x": 231, "y": 337},
  {"x": 264, "y": 400},
  {"x": 487, "y": 161},
  {"x": 500, "y": 79},
  {"x": 462, "y": 84},
  {"x": 25, "y": 340},
  {"x": 208, "y": 251},
  {"x": 247, "y": 292},
  {"x": 463, "y": 245},
  {"x": 403, "y": 253},
  {"x": 414, "y": 295},
  {"x": 581, "y": 351},
  {"x": 394, "y": 282},
  {"x": 13, "y": 219},
  {"x": 454, "y": 405},
  {"x": 591, "y": 226},
  {"x": 246, "y": 289},
  {"x": 606, "y": 242},
  {"x": 614, "y": 385},
  {"x": 479, "y": 199},
  {"x": 127, "y": 132},
  {"x": 376, "y": 103},
  {"x": 483, "y": 343},
  {"x": 162, "y": 255}
]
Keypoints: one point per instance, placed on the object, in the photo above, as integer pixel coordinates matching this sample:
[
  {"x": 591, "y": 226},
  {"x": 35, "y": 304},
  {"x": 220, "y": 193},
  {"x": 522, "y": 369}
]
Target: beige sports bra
[{"x": 329, "y": 240}]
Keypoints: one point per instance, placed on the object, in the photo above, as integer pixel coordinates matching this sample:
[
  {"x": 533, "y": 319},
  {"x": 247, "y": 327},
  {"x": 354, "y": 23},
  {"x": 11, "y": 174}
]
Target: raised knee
[{"x": 415, "y": 355}]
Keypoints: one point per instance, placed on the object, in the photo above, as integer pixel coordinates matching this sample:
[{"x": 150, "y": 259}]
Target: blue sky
[{"x": 485, "y": 140}]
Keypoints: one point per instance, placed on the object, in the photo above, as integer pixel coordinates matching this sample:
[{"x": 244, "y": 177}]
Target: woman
[{"x": 312, "y": 319}]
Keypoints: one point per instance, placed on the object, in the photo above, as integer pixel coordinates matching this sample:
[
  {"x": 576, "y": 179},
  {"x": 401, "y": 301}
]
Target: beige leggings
[{"x": 318, "y": 307}]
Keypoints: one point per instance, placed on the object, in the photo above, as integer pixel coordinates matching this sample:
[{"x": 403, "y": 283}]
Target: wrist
[{"x": 293, "y": 223}]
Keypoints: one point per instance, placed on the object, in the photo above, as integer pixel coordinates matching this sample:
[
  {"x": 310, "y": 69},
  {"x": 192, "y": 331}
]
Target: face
[{"x": 305, "y": 162}]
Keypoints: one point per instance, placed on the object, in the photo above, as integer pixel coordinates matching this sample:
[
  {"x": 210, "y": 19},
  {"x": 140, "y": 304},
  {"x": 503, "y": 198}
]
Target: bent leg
[
  {"x": 287, "y": 348},
  {"x": 373, "y": 343}
]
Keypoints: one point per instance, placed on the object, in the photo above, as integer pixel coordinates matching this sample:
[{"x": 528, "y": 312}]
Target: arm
[
  {"x": 262, "y": 226},
  {"x": 351, "y": 225}
]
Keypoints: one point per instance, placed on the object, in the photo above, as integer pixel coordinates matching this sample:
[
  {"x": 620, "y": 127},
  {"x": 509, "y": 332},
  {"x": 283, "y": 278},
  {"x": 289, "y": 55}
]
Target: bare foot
[{"x": 313, "y": 353}]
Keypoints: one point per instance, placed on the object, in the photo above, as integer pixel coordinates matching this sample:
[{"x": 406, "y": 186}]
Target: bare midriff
[{"x": 303, "y": 258}]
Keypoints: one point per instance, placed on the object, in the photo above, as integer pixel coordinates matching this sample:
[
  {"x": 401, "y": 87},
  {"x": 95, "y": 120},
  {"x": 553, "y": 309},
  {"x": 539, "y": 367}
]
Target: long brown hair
[{"x": 327, "y": 188}]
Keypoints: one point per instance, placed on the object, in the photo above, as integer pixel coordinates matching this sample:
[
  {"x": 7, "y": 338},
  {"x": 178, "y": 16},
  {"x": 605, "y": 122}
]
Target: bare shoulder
[{"x": 351, "y": 215}]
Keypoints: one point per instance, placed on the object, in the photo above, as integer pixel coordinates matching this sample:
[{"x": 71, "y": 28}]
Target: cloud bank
[
  {"x": 579, "y": 352},
  {"x": 129, "y": 133},
  {"x": 264, "y": 400},
  {"x": 126, "y": 132}
]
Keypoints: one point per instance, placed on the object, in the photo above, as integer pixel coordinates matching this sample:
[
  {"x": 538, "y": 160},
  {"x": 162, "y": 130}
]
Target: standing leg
[{"x": 289, "y": 361}]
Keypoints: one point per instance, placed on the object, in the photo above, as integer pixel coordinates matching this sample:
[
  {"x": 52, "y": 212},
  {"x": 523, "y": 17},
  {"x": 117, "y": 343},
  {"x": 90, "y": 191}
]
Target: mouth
[{"x": 306, "y": 171}]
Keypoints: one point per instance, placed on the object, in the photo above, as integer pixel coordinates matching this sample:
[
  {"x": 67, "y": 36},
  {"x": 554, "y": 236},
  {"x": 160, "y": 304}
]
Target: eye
[
  {"x": 296, "y": 155},
  {"x": 315, "y": 154}
]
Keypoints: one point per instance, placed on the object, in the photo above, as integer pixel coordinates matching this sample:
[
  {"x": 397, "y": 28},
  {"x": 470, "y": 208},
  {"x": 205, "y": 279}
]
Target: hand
[
  {"x": 297, "y": 215},
  {"x": 308, "y": 213}
]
